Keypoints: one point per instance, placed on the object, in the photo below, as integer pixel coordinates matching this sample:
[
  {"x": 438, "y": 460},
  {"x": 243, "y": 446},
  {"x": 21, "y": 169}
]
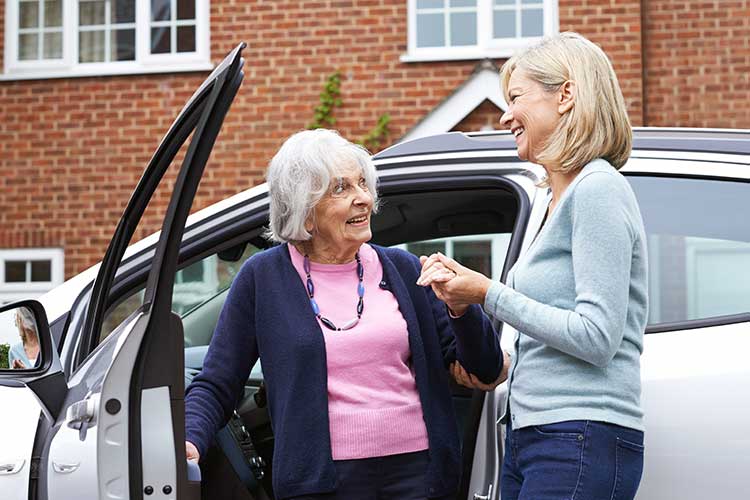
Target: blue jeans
[
  {"x": 393, "y": 477},
  {"x": 574, "y": 460}
]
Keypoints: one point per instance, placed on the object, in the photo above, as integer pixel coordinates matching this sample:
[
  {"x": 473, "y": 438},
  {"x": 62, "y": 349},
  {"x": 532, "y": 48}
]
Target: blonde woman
[
  {"x": 25, "y": 354},
  {"x": 578, "y": 297}
]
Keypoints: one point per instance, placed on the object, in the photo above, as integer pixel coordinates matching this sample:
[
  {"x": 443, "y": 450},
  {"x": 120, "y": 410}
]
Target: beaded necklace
[{"x": 316, "y": 309}]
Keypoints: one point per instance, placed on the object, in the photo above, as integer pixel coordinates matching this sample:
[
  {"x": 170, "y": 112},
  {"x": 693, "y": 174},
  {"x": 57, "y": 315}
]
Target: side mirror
[
  {"x": 23, "y": 330},
  {"x": 27, "y": 355}
]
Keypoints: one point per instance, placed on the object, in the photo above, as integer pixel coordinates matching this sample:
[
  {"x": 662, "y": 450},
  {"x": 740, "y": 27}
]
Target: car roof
[{"x": 690, "y": 140}]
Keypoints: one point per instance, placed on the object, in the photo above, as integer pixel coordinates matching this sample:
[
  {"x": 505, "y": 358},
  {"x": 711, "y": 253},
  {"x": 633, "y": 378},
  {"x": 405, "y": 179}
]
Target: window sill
[
  {"x": 500, "y": 49},
  {"x": 100, "y": 70},
  {"x": 466, "y": 56}
]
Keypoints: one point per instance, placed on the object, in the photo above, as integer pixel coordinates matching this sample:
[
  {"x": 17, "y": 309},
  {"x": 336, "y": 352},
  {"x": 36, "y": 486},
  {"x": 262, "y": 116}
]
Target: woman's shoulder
[
  {"x": 599, "y": 180},
  {"x": 265, "y": 260}
]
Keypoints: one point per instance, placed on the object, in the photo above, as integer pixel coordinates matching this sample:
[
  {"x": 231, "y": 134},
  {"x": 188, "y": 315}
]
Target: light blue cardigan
[
  {"x": 18, "y": 352},
  {"x": 578, "y": 299}
]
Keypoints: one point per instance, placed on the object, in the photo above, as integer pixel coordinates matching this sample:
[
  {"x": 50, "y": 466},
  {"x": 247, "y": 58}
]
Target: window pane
[
  {"x": 464, "y": 28},
  {"x": 53, "y": 13},
  {"x": 41, "y": 270},
  {"x": 15, "y": 271},
  {"x": 476, "y": 255},
  {"x": 426, "y": 247},
  {"x": 186, "y": 39},
  {"x": 53, "y": 45},
  {"x": 185, "y": 9},
  {"x": 430, "y": 30},
  {"x": 91, "y": 46},
  {"x": 463, "y": 3},
  {"x": 505, "y": 2},
  {"x": 161, "y": 10},
  {"x": 504, "y": 24},
  {"x": 122, "y": 45},
  {"x": 698, "y": 245},
  {"x": 123, "y": 11},
  {"x": 532, "y": 22},
  {"x": 192, "y": 273},
  {"x": 28, "y": 47},
  {"x": 160, "y": 42},
  {"x": 531, "y": 1},
  {"x": 91, "y": 13},
  {"x": 430, "y": 4},
  {"x": 28, "y": 14}
]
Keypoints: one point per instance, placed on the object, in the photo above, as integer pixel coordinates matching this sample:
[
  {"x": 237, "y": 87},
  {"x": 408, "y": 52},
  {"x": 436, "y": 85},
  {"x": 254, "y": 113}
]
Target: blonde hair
[
  {"x": 597, "y": 126},
  {"x": 26, "y": 324}
]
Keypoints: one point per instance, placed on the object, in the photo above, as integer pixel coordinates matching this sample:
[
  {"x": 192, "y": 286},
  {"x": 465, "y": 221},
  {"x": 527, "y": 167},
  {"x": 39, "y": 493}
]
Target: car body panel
[{"x": 18, "y": 423}]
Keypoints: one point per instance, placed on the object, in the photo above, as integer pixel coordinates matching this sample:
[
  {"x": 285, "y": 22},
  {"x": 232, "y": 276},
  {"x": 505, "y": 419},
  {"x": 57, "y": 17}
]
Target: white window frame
[
  {"x": 10, "y": 292},
  {"x": 487, "y": 46},
  {"x": 145, "y": 62}
]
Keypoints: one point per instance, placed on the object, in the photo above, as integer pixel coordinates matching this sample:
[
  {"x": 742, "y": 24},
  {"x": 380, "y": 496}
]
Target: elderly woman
[
  {"x": 24, "y": 354},
  {"x": 354, "y": 353},
  {"x": 578, "y": 297}
]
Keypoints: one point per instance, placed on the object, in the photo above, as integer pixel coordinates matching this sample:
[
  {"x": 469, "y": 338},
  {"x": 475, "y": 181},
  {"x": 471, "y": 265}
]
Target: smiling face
[
  {"x": 532, "y": 115},
  {"x": 341, "y": 220}
]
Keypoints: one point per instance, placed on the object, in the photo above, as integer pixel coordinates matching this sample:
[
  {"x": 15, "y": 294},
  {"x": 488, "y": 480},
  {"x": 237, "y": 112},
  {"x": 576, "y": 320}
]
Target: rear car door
[
  {"x": 120, "y": 428},
  {"x": 695, "y": 373}
]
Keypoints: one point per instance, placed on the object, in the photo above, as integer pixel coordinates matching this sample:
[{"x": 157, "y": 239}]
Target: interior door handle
[
  {"x": 12, "y": 467},
  {"x": 488, "y": 496}
]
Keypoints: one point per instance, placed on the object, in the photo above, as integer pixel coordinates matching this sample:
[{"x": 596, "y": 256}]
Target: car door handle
[
  {"x": 12, "y": 467},
  {"x": 65, "y": 468}
]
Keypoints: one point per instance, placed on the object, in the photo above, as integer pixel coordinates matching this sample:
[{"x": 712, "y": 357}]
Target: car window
[
  {"x": 698, "y": 245},
  {"x": 198, "y": 285},
  {"x": 484, "y": 253}
]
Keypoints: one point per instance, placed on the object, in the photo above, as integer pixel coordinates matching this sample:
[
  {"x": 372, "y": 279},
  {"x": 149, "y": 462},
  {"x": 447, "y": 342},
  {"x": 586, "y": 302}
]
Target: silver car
[{"x": 100, "y": 412}]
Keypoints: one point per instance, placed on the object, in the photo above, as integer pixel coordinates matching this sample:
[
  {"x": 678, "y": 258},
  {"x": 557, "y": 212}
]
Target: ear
[
  {"x": 566, "y": 97},
  {"x": 309, "y": 224}
]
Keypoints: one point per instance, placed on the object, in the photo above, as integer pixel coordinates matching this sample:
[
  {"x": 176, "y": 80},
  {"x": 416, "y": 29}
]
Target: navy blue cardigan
[{"x": 267, "y": 314}]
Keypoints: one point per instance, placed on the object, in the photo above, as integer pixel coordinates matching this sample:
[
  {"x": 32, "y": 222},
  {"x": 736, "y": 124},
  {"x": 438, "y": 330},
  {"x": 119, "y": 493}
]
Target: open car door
[{"x": 116, "y": 428}]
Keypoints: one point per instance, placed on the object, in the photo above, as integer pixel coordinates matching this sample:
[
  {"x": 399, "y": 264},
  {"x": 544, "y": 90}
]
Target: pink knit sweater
[{"x": 373, "y": 404}]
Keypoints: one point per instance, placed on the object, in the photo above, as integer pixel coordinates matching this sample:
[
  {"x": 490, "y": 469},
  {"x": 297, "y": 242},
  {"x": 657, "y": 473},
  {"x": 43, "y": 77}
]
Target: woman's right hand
[{"x": 191, "y": 452}]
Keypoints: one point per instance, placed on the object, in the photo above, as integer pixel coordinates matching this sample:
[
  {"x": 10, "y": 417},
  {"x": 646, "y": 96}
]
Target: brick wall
[
  {"x": 72, "y": 149},
  {"x": 697, "y": 59},
  {"x": 616, "y": 26}
]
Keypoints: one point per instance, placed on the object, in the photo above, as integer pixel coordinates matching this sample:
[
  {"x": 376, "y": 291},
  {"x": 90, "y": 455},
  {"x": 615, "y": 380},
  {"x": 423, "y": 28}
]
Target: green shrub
[{"x": 4, "y": 348}]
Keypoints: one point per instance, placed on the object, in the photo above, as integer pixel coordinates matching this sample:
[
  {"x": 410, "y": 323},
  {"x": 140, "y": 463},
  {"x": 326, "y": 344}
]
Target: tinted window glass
[
  {"x": 199, "y": 288},
  {"x": 699, "y": 247},
  {"x": 484, "y": 253}
]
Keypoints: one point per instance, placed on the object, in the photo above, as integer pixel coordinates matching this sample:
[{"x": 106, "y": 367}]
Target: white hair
[{"x": 300, "y": 174}]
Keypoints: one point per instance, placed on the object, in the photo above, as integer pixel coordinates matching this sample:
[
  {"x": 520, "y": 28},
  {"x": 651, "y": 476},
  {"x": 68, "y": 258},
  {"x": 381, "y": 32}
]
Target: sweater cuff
[{"x": 492, "y": 299}]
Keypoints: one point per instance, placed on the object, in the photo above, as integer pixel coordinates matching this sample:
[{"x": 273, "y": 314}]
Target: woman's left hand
[{"x": 454, "y": 284}]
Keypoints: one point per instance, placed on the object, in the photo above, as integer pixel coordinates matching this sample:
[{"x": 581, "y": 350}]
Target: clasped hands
[
  {"x": 459, "y": 287},
  {"x": 454, "y": 284}
]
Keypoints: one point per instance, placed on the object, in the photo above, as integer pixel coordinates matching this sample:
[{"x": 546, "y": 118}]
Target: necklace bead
[{"x": 316, "y": 308}]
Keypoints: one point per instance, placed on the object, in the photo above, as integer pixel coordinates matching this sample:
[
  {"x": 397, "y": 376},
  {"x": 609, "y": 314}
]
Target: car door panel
[
  {"x": 694, "y": 412},
  {"x": 116, "y": 429}
]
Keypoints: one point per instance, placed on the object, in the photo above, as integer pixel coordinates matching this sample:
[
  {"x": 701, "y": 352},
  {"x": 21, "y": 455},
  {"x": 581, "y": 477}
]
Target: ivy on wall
[{"x": 330, "y": 98}]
